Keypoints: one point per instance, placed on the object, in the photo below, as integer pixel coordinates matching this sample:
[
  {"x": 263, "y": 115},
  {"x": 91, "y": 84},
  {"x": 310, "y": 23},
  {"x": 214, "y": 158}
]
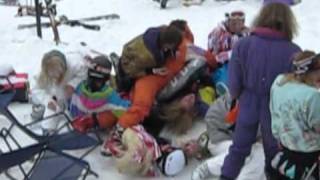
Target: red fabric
[
  {"x": 84, "y": 123},
  {"x": 211, "y": 60},
  {"x": 232, "y": 115},
  {"x": 20, "y": 78}
]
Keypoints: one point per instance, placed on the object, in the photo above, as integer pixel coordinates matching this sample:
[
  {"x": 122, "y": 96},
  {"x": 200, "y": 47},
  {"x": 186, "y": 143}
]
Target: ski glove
[{"x": 223, "y": 57}]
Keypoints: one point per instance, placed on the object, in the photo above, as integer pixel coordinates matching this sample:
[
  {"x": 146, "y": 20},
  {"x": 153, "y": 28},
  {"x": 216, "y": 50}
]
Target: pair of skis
[
  {"x": 163, "y": 3},
  {"x": 9, "y": 2},
  {"x": 76, "y": 22}
]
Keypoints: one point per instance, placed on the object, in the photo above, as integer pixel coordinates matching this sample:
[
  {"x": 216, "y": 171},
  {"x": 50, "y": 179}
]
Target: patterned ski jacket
[{"x": 84, "y": 101}]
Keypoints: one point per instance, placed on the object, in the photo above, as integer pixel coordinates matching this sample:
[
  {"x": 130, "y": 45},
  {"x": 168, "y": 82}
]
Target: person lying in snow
[
  {"x": 57, "y": 81},
  {"x": 294, "y": 106},
  {"x": 220, "y": 43},
  {"x": 140, "y": 154},
  {"x": 146, "y": 85},
  {"x": 150, "y": 60},
  {"x": 94, "y": 102}
]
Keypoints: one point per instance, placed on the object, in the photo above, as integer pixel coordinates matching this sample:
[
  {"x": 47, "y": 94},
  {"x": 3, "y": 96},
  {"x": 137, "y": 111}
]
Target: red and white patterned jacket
[{"x": 221, "y": 41}]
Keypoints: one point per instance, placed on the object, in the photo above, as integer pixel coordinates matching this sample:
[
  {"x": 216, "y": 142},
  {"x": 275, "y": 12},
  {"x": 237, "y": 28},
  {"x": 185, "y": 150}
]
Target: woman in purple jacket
[{"x": 254, "y": 65}]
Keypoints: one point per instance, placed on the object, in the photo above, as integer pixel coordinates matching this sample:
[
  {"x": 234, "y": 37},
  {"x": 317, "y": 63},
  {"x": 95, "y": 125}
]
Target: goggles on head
[
  {"x": 235, "y": 15},
  {"x": 97, "y": 71},
  {"x": 305, "y": 65}
]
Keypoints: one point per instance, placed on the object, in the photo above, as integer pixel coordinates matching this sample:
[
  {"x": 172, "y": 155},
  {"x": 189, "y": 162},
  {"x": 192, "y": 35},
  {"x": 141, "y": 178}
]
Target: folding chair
[
  {"x": 47, "y": 163},
  {"x": 70, "y": 140}
]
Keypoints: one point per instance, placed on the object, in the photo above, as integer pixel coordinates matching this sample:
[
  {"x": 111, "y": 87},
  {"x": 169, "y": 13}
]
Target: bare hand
[
  {"x": 68, "y": 91},
  {"x": 52, "y": 105}
]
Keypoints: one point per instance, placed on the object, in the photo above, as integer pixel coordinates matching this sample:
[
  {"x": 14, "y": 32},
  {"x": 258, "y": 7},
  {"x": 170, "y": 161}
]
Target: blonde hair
[
  {"x": 277, "y": 16},
  {"x": 51, "y": 59},
  {"x": 303, "y": 78},
  {"x": 126, "y": 163},
  {"x": 179, "y": 119}
]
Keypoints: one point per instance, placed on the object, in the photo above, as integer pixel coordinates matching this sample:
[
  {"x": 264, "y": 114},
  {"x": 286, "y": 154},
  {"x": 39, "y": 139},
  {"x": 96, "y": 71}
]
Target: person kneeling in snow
[{"x": 94, "y": 102}]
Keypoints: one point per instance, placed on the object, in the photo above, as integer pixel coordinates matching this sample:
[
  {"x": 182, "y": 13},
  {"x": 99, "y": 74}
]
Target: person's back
[
  {"x": 287, "y": 102},
  {"x": 262, "y": 56},
  {"x": 294, "y": 106},
  {"x": 254, "y": 65}
]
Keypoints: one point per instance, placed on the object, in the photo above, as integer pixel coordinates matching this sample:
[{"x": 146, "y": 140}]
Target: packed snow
[{"x": 23, "y": 49}]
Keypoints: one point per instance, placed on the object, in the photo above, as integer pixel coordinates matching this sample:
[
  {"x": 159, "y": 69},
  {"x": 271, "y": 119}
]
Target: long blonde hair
[
  {"x": 179, "y": 119},
  {"x": 277, "y": 16},
  {"x": 51, "y": 59}
]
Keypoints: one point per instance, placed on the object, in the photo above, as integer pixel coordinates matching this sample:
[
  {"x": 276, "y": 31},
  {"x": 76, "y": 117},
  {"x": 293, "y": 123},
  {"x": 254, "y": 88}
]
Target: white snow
[{"x": 24, "y": 50}]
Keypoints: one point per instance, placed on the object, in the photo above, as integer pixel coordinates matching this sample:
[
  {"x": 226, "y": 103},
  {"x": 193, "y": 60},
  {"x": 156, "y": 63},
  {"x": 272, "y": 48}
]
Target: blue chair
[
  {"x": 56, "y": 142},
  {"x": 47, "y": 163}
]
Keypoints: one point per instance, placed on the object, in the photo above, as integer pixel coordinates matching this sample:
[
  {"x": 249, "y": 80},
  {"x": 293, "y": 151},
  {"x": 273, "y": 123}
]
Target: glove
[
  {"x": 223, "y": 57},
  {"x": 103, "y": 119},
  {"x": 83, "y": 123},
  {"x": 114, "y": 144}
]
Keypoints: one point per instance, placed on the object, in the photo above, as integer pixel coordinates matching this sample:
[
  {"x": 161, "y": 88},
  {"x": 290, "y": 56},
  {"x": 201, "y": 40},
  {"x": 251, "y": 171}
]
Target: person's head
[
  {"x": 277, "y": 16},
  {"x": 179, "y": 23},
  {"x": 99, "y": 69},
  {"x": 179, "y": 113},
  {"x": 235, "y": 21},
  {"x": 307, "y": 68},
  {"x": 53, "y": 68},
  {"x": 182, "y": 25},
  {"x": 170, "y": 39}
]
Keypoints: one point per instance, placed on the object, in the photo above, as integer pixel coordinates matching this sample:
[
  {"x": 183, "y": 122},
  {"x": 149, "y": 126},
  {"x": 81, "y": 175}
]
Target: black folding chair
[
  {"x": 70, "y": 140},
  {"x": 46, "y": 162}
]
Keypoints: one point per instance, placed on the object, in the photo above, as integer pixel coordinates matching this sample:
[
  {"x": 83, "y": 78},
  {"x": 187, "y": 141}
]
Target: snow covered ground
[{"x": 24, "y": 50}]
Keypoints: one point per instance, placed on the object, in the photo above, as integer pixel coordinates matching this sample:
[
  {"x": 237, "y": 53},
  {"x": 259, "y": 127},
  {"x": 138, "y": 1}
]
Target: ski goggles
[
  {"x": 307, "y": 64},
  {"x": 97, "y": 68},
  {"x": 235, "y": 15}
]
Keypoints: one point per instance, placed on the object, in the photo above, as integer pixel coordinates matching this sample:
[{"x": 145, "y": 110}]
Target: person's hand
[
  {"x": 223, "y": 57},
  {"x": 68, "y": 91},
  {"x": 114, "y": 143},
  {"x": 160, "y": 71},
  {"x": 52, "y": 105}
]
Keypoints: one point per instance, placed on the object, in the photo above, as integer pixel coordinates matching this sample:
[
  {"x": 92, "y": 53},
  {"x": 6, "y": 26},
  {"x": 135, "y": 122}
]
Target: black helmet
[{"x": 99, "y": 68}]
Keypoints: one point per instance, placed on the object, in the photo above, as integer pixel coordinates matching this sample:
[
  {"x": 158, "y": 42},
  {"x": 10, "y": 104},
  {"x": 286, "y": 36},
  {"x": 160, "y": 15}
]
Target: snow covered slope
[{"x": 24, "y": 50}]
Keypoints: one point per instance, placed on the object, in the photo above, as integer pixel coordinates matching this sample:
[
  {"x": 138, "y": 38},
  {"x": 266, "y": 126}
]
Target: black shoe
[{"x": 272, "y": 174}]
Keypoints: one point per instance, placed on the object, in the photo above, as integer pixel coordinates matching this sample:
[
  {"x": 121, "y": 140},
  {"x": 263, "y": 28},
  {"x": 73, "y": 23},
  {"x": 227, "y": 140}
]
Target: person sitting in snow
[
  {"x": 220, "y": 43},
  {"x": 60, "y": 75},
  {"x": 294, "y": 106},
  {"x": 94, "y": 102},
  {"x": 57, "y": 81}
]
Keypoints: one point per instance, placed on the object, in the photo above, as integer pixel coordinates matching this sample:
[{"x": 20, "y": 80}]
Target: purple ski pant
[{"x": 254, "y": 111}]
